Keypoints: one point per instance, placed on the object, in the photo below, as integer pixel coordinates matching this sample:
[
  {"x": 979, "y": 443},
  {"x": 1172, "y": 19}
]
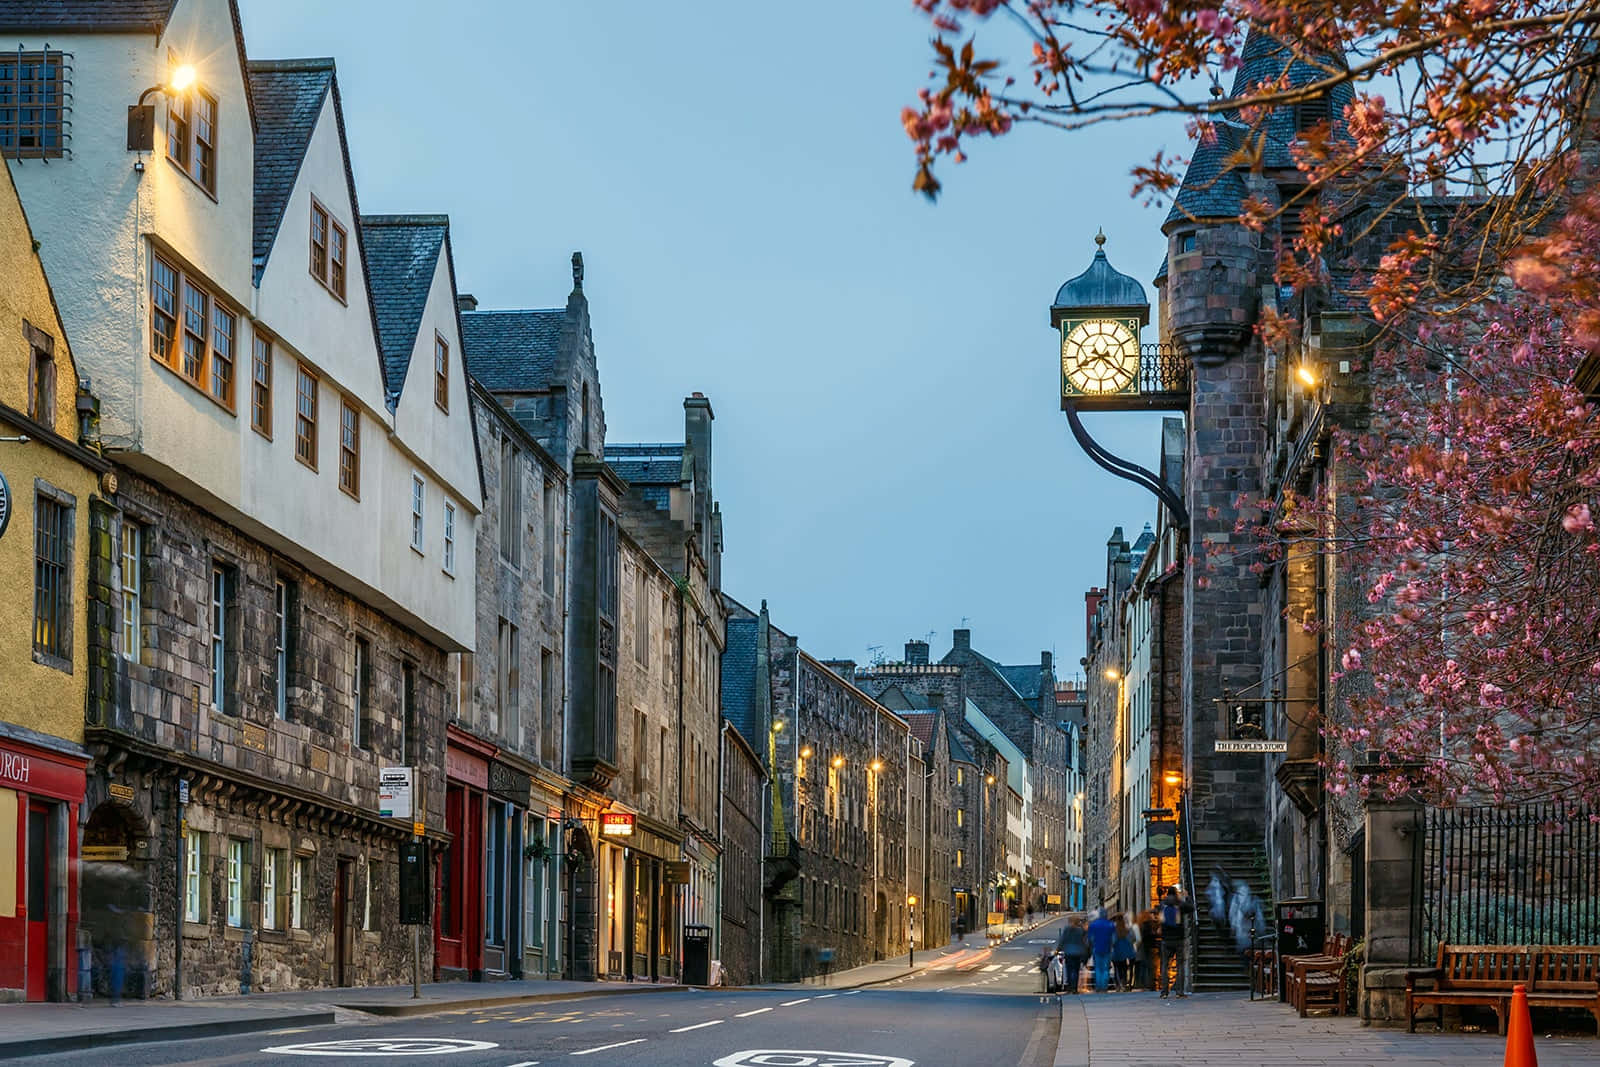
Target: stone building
[
  {"x": 742, "y": 816},
  {"x": 835, "y": 874},
  {"x": 51, "y": 477},
  {"x": 1104, "y": 800},
  {"x": 1072, "y": 714},
  {"x": 253, "y": 665},
  {"x": 930, "y": 856},
  {"x": 510, "y": 724}
]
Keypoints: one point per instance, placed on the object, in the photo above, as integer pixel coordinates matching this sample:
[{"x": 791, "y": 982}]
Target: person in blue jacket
[
  {"x": 1102, "y": 932},
  {"x": 1073, "y": 944}
]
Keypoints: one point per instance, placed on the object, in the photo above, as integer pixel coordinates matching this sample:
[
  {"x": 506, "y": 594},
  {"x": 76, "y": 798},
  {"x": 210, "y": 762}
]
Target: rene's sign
[{"x": 616, "y": 824}]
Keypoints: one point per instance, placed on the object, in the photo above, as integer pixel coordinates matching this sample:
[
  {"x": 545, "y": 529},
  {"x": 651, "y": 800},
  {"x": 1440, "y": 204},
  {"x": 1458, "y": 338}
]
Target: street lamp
[
  {"x": 911, "y": 905},
  {"x": 838, "y": 761},
  {"x": 142, "y": 116},
  {"x": 1111, "y": 674},
  {"x": 805, "y": 751}
]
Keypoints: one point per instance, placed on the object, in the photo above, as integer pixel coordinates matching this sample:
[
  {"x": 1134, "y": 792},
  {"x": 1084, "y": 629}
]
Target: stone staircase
[{"x": 1217, "y": 963}]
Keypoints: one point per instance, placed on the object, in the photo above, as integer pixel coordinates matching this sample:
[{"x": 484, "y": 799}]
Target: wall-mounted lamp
[
  {"x": 142, "y": 116},
  {"x": 988, "y": 779},
  {"x": 877, "y": 764},
  {"x": 805, "y": 751},
  {"x": 1307, "y": 376},
  {"x": 1112, "y": 674},
  {"x": 838, "y": 761},
  {"x": 777, "y": 726},
  {"x": 1172, "y": 778}
]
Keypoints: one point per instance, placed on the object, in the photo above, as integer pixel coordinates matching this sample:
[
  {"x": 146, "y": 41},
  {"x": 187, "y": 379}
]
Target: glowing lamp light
[
  {"x": 988, "y": 779},
  {"x": 182, "y": 78},
  {"x": 805, "y": 751},
  {"x": 1172, "y": 778},
  {"x": 1112, "y": 674},
  {"x": 777, "y": 726},
  {"x": 1307, "y": 376},
  {"x": 877, "y": 764},
  {"x": 838, "y": 761},
  {"x": 911, "y": 901}
]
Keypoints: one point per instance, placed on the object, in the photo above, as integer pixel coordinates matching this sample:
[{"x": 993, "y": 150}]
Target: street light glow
[
  {"x": 1111, "y": 674},
  {"x": 805, "y": 751},
  {"x": 1307, "y": 376},
  {"x": 877, "y": 764},
  {"x": 838, "y": 761},
  {"x": 182, "y": 78}
]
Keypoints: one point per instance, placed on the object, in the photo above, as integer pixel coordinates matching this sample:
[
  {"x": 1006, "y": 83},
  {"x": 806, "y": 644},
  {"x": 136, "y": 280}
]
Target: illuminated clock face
[{"x": 1100, "y": 356}]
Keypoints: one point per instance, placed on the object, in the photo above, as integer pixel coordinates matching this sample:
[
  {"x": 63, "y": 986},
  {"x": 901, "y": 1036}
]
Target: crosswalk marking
[
  {"x": 990, "y": 967},
  {"x": 1015, "y": 967}
]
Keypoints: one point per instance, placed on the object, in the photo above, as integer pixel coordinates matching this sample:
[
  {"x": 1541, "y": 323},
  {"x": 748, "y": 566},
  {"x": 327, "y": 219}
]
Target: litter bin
[
  {"x": 1302, "y": 929},
  {"x": 696, "y": 955}
]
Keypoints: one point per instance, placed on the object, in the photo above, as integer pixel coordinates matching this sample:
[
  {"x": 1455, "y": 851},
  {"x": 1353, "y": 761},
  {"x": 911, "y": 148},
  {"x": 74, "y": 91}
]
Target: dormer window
[
  {"x": 329, "y": 250},
  {"x": 192, "y": 136},
  {"x": 1308, "y": 114}
]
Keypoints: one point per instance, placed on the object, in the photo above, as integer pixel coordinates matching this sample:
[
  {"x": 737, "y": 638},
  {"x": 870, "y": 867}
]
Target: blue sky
[{"x": 889, "y": 453}]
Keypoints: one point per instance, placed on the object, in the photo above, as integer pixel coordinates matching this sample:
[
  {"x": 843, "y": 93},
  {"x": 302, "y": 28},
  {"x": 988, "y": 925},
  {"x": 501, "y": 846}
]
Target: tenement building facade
[{"x": 253, "y": 664}]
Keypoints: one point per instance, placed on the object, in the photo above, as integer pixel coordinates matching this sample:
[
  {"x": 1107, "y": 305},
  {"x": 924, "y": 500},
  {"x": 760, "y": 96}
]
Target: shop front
[
  {"x": 506, "y": 809},
  {"x": 41, "y": 787},
  {"x": 460, "y": 932},
  {"x": 638, "y": 920},
  {"x": 543, "y": 931}
]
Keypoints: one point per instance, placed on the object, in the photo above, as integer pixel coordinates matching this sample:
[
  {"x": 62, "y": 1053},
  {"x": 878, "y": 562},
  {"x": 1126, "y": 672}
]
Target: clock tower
[{"x": 1099, "y": 315}]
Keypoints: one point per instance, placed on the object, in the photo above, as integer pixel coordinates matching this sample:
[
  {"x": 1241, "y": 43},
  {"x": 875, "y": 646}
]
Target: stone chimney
[
  {"x": 963, "y": 639},
  {"x": 1091, "y": 604},
  {"x": 917, "y": 653},
  {"x": 844, "y": 668},
  {"x": 697, "y": 418},
  {"x": 466, "y": 302}
]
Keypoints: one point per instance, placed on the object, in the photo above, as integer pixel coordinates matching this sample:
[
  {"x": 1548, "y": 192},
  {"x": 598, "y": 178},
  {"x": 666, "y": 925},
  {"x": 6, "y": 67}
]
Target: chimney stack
[
  {"x": 917, "y": 653},
  {"x": 466, "y": 302},
  {"x": 963, "y": 639}
]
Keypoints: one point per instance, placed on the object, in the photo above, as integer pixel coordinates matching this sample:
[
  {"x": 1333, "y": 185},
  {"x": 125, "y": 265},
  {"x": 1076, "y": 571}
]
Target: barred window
[
  {"x": 52, "y": 578},
  {"x": 32, "y": 96}
]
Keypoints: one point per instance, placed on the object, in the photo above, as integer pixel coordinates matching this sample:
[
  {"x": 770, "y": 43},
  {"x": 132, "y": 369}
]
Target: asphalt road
[{"x": 978, "y": 1006}]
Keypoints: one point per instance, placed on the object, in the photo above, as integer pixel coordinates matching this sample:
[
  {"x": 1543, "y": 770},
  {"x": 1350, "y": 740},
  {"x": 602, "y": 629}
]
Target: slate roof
[
  {"x": 739, "y": 678},
  {"x": 1210, "y": 191},
  {"x": 514, "y": 351},
  {"x": 100, "y": 15},
  {"x": 959, "y": 752},
  {"x": 922, "y": 724},
  {"x": 288, "y": 98},
  {"x": 402, "y": 256},
  {"x": 1023, "y": 678},
  {"x": 641, "y": 465},
  {"x": 1102, "y": 285}
]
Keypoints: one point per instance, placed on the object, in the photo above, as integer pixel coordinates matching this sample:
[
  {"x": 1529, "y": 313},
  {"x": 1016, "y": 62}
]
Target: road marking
[
  {"x": 792, "y": 1003},
  {"x": 852, "y": 993},
  {"x": 747, "y": 1014},
  {"x": 384, "y": 1046},
  {"x": 763, "y": 1057},
  {"x": 526, "y": 1063},
  {"x": 1015, "y": 967},
  {"x": 990, "y": 967},
  {"x": 697, "y": 1026},
  {"x": 825, "y": 996},
  {"x": 602, "y": 1048}
]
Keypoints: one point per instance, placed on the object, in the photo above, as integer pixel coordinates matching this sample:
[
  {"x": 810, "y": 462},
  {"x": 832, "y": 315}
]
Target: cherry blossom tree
[{"x": 1452, "y": 190}]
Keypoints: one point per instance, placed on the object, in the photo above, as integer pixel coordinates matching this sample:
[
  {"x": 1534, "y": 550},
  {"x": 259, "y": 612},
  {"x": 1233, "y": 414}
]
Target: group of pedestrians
[{"x": 1127, "y": 952}]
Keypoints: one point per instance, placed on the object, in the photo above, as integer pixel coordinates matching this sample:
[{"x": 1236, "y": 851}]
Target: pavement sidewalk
[
  {"x": 1228, "y": 1030},
  {"x": 36, "y": 1029}
]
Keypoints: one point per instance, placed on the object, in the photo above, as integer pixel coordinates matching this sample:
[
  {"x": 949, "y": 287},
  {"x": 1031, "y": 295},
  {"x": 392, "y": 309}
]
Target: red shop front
[
  {"x": 458, "y": 931},
  {"x": 41, "y": 787}
]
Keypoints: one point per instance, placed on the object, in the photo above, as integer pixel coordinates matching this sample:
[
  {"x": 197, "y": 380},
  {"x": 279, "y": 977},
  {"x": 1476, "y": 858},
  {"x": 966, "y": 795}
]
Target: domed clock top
[{"x": 1099, "y": 314}]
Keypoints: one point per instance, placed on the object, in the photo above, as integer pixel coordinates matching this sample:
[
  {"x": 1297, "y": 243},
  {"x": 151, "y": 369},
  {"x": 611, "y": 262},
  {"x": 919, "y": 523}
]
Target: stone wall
[{"x": 741, "y": 792}]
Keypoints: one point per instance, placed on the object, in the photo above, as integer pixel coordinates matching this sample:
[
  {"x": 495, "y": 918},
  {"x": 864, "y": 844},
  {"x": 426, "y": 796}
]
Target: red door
[
  {"x": 461, "y": 903},
  {"x": 38, "y": 902}
]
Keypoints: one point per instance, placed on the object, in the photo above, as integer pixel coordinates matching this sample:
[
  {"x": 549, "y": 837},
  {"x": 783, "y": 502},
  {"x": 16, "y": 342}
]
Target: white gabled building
[{"x": 291, "y": 551}]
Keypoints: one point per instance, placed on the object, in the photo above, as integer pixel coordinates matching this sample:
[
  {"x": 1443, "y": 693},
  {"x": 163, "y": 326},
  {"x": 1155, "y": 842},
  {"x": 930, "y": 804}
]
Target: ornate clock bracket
[{"x": 1123, "y": 468}]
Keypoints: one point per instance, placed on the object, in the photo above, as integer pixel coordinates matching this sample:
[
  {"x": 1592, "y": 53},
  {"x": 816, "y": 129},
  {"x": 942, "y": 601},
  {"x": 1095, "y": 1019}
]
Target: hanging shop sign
[
  {"x": 1252, "y": 746},
  {"x": 616, "y": 824},
  {"x": 677, "y": 872},
  {"x": 1161, "y": 837}
]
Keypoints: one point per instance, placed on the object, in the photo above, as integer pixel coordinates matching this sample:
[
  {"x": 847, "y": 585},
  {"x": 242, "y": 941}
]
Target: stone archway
[{"x": 115, "y": 900}]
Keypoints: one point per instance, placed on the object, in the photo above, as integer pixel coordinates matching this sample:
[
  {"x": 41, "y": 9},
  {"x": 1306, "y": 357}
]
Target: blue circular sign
[{"x": 5, "y": 504}]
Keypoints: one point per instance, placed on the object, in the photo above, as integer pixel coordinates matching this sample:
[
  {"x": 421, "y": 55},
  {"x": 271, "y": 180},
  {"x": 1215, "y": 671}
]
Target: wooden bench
[
  {"x": 1555, "y": 976},
  {"x": 1318, "y": 978}
]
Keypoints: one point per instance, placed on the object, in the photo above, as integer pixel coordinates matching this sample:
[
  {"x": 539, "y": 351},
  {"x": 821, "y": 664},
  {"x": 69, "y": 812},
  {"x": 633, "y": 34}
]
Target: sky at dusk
[{"x": 889, "y": 450}]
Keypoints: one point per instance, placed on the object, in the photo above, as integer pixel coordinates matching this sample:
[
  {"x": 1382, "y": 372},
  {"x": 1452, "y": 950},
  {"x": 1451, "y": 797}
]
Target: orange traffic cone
[{"x": 1519, "y": 1032}]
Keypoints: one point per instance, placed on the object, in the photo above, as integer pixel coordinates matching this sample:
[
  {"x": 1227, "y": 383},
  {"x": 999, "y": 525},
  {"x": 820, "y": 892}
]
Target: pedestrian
[
  {"x": 1073, "y": 946},
  {"x": 961, "y": 929},
  {"x": 1176, "y": 907},
  {"x": 1101, "y": 934},
  {"x": 1149, "y": 946},
  {"x": 1123, "y": 953}
]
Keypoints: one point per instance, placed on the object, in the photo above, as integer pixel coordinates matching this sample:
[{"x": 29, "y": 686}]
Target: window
[
  {"x": 194, "y": 882},
  {"x": 52, "y": 578},
  {"x": 510, "y": 502},
  {"x": 192, "y": 136},
  {"x": 641, "y": 737},
  {"x": 195, "y": 340},
  {"x": 450, "y": 539},
  {"x": 508, "y": 681},
  {"x": 408, "y": 714},
  {"x": 641, "y": 616},
  {"x": 238, "y": 869},
  {"x": 550, "y": 539},
  {"x": 280, "y": 659},
  {"x": 261, "y": 386},
  {"x": 271, "y": 914},
  {"x": 329, "y": 250},
  {"x": 547, "y": 707},
  {"x": 360, "y": 697},
  {"x": 31, "y": 99},
  {"x": 416, "y": 511},
  {"x": 374, "y": 890},
  {"x": 305, "y": 417},
  {"x": 961, "y": 817},
  {"x": 224, "y": 641},
  {"x": 41, "y": 376},
  {"x": 961, "y": 776},
  {"x": 441, "y": 373},
  {"x": 350, "y": 449},
  {"x": 961, "y": 857},
  {"x": 301, "y": 883},
  {"x": 132, "y": 536}
]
